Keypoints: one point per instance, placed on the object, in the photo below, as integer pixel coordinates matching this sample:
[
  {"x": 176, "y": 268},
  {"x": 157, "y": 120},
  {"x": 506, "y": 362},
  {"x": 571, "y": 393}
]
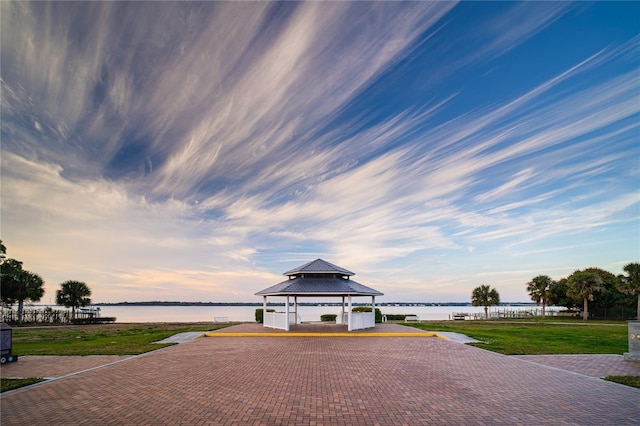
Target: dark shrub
[
  {"x": 260, "y": 316},
  {"x": 328, "y": 317},
  {"x": 368, "y": 309},
  {"x": 395, "y": 317}
]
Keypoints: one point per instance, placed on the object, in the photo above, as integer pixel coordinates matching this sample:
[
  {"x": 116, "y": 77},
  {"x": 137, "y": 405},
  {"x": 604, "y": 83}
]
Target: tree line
[
  {"x": 592, "y": 288},
  {"x": 17, "y": 286}
]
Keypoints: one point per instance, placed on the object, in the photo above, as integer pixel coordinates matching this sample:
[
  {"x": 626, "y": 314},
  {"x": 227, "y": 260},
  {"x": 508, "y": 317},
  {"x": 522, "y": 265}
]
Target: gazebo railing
[
  {"x": 275, "y": 320},
  {"x": 360, "y": 320}
]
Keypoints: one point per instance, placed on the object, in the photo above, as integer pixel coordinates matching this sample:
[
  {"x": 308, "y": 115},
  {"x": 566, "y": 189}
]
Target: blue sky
[{"x": 195, "y": 151}]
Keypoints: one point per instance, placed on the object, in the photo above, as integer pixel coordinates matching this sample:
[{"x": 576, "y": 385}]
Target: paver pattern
[
  {"x": 55, "y": 366},
  {"x": 323, "y": 328},
  {"x": 323, "y": 380},
  {"x": 591, "y": 365}
]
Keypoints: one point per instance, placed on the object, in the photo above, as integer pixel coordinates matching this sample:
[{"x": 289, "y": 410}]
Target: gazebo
[{"x": 319, "y": 278}]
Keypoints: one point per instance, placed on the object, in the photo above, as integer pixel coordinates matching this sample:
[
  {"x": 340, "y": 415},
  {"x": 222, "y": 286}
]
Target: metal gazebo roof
[
  {"x": 319, "y": 266},
  {"x": 323, "y": 279},
  {"x": 318, "y": 287},
  {"x": 319, "y": 278}
]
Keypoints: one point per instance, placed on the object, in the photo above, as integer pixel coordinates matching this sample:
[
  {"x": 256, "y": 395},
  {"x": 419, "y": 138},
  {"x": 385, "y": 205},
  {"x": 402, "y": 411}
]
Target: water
[{"x": 307, "y": 313}]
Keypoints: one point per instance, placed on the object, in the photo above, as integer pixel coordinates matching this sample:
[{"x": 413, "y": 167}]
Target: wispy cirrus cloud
[
  {"x": 210, "y": 143},
  {"x": 385, "y": 202},
  {"x": 517, "y": 24},
  {"x": 270, "y": 113}
]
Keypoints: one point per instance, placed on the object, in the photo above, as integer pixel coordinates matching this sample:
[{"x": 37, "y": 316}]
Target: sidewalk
[
  {"x": 589, "y": 365},
  {"x": 323, "y": 380}
]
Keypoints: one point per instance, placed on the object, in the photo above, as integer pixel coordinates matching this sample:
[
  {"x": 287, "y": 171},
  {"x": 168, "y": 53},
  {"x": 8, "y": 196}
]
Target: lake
[{"x": 307, "y": 313}]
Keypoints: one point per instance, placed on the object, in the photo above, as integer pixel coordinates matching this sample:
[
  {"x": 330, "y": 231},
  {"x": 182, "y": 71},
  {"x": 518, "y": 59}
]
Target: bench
[
  {"x": 220, "y": 320},
  {"x": 411, "y": 318}
]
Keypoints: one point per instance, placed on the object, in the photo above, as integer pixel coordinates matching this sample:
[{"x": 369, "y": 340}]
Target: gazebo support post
[
  {"x": 349, "y": 314},
  {"x": 295, "y": 308},
  {"x": 373, "y": 309},
  {"x": 286, "y": 311},
  {"x": 342, "y": 312},
  {"x": 264, "y": 311}
]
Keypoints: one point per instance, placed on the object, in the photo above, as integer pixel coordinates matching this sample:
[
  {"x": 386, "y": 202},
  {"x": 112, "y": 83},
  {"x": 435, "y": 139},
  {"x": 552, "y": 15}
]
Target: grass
[
  {"x": 540, "y": 337},
  {"x": 537, "y": 337},
  {"x": 633, "y": 381},
  {"x": 551, "y": 336},
  {"x": 10, "y": 384},
  {"x": 103, "y": 339},
  {"x": 97, "y": 339}
]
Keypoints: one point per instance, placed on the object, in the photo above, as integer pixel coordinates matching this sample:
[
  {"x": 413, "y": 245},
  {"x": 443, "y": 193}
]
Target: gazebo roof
[
  {"x": 319, "y": 278},
  {"x": 319, "y": 266},
  {"x": 318, "y": 287}
]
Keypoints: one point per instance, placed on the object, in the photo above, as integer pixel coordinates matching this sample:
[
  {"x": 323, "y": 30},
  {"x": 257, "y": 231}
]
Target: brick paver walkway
[
  {"x": 322, "y": 328},
  {"x": 323, "y": 380},
  {"x": 55, "y": 366},
  {"x": 591, "y": 365}
]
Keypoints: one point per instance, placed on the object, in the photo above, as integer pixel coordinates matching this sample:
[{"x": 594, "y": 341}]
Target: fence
[
  {"x": 275, "y": 320},
  {"x": 360, "y": 320},
  {"x": 37, "y": 316},
  {"x": 505, "y": 313},
  {"x": 48, "y": 316}
]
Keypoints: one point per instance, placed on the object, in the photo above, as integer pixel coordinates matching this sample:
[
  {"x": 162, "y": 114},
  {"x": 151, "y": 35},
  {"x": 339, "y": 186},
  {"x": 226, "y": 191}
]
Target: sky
[{"x": 195, "y": 151}]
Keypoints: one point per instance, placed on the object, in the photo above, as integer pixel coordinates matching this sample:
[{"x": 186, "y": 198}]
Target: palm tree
[
  {"x": 630, "y": 284},
  {"x": 539, "y": 289},
  {"x": 584, "y": 284},
  {"x": 73, "y": 294},
  {"x": 9, "y": 271},
  {"x": 30, "y": 287},
  {"x": 485, "y": 296},
  {"x": 19, "y": 285}
]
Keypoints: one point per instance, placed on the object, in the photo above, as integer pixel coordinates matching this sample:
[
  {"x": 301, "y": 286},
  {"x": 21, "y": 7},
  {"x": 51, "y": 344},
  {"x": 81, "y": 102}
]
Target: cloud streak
[{"x": 187, "y": 150}]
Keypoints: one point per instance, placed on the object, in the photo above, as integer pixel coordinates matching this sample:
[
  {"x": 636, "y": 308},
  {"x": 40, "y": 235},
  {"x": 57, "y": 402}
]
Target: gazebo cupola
[
  {"x": 319, "y": 269},
  {"x": 319, "y": 278}
]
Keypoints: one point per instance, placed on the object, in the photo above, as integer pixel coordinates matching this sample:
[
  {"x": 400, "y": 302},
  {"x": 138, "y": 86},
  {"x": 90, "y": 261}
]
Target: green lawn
[
  {"x": 98, "y": 339},
  {"x": 107, "y": 339},
  {"x": 10, "y": 384},
  {"x": 551, "y": 336},
  {"x": 625, "y": 380},
  {"x": 506, "y": 337},
  {"x": 540, "y": 337}
]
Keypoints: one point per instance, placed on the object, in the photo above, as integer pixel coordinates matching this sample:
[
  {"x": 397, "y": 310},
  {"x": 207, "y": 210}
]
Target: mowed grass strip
[
  {"x": 11, "y": 384},
  {"x": 540, "y": 337},
  {"x": 506, "y": 337},
  {"x": 104, "y": 339},
  {"x": 633, "y": 381}
]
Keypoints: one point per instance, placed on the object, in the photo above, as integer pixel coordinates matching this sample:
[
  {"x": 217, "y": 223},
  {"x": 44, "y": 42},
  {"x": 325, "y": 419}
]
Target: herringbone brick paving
[{"x": 323, "y": 380}]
